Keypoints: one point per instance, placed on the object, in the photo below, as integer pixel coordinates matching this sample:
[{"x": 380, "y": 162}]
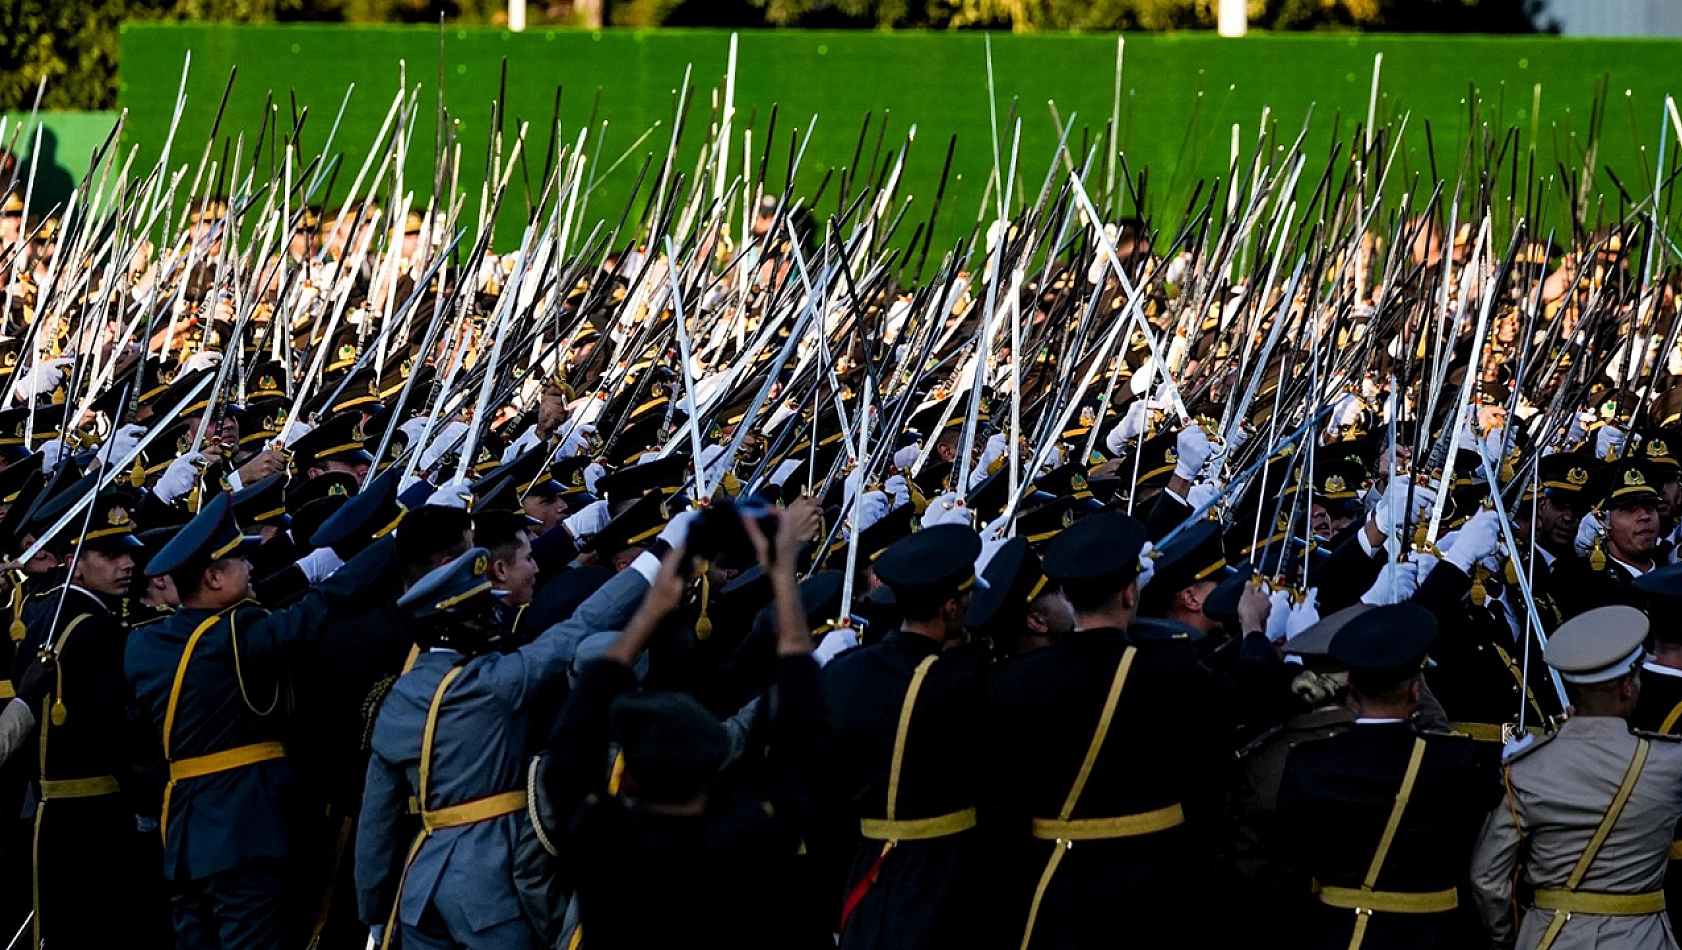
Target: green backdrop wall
[{"x": 1181, "y": 96}]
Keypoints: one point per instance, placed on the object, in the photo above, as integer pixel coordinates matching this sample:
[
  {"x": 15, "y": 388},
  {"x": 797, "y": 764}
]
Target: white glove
[
  {"x": 1579, "y": 427},
  {"x": 898, "y": 491},
  {"x": 833, "y": 643},
  {"x": 589, "y": 519},
  {"x": 907, "y": 456},
  {"x": 585, "y": 411},
  {"x": 592, "y": 472},
  {"x": 785, "y": 469},
  {"x": 318, "y": 565},
  {"x": 520, "y": 446},
  {"x": 452, "y": 494},
  {"x": 1393, "y": 504},
  {"x": 43, "y": 378},
  {"x": 873, "y": 507},
  {"x": 180, "y": 477},
  {"x": 1589, "y": 531},
  {"x": 946, "y": 509},
  {"x": 995, "y": 450},
  {"x": 120, "y": 444},
  {"x": 1147, "y": 564},
  {"x": 202, "y": 360},
  {"x": 52, "y": 452},
  {"x": 1241, "y": 434},
  {"x": 1477, "y": 540},
  {"x": 577, "y": 441},
  {"x": 1278, "y": 615},
  {"x": 993, "y": 537},
  {"x": 452, "y": 437},
  {"x": 1128, "y": 428},
  {"x": 1204, "y": 493},
  {"x": 1396, "y": 582},
  {"x": 412, "y": 430},
  {"x": 1194, "y": 449},
  {"x": 1303, "y": 615},
  {"x": 676, "y": 531},
  {"x": 1609, "y": 441}
]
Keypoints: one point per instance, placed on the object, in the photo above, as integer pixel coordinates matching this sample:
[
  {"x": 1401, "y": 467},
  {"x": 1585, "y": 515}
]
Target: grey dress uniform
[
  {"x": 1557, "y": 796},
  {"x": 1592, "y": 811}
]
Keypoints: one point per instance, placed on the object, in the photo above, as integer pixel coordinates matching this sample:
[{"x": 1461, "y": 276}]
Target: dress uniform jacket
[
  {"x": 466, "y": 873},
  {"x": 1336, "y": 798},
  {"x": 1479, "y": 677},
  {"x": 230, "y": 699},
  {"x": 1659, "y": 709},
  {"x": 914, "y": 893},
  {"x": 1159, "y": 772},
  {"x": 1557, "y": 794},
  {"x": 1578, "y": 586},
  {"x": 86, "y": 793}
]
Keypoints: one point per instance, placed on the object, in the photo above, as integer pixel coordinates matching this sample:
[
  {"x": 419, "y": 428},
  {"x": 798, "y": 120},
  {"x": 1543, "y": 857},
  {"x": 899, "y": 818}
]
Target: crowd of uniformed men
[{"x": 780, "y": 620}]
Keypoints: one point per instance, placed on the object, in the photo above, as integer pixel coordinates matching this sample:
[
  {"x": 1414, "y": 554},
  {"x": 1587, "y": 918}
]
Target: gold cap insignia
[
  {"x": 1577, "y": 476},
  {"x": 1068, "y": 517},
  {"x": 1077, "y": 481},
  {"x": 118, "y": 517},
  {"x": 1657, "y": 449},
  {"x": 1633, "y": 477},
  {"x": 267, "y": 382},
  {"x": 1172, "y": 455},
  {"x": 578, "y": 478},
  {"x": 1334, "y": 483},
  {"x": 481, "y": 564},
  {"x": 337, "y": 491}
]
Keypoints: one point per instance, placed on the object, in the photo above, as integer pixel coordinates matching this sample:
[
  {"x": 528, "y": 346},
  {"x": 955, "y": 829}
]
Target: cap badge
[
  {"x": 1077, "y": 481},
  {"x": 1657, "y": 449},
  {"x": 1335, "y": 483},
  {"x": 118, "y": 517},
  {"x": 267, "y": 381},
  {"x": 480, "y": 565},
  {"x": 337, "y": 491},
  {"x": 1634, "y": 477},
  {"x": 1577, "y": 476}
]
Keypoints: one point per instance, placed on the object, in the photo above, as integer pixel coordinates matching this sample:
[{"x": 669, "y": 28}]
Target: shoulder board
[
  {"x": 1445, "y": 734},
  {"x": 46, "y": 593},
  {"x": 1259, "y": 741},
  {"x": 1657, "y": 736},
  {"x": 1524, "y": 745},
  {"x": 147, "y": 622}
]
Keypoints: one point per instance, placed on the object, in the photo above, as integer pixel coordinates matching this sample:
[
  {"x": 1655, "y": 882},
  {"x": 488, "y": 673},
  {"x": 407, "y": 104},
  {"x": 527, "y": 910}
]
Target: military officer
[
  {"x": 1628, "y": 506},
  {"x": 905, "y": 715},
  {"x": 1105, "y": 749},
  {"x": 1595, "y": 807},
  {"x": 207, "y": 681},
  {"x": 1383, "y": 817}
]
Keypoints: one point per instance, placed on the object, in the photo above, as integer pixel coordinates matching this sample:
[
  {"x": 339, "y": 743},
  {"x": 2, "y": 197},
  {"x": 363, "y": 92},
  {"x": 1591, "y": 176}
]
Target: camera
[{"x": 719, "y": 535}]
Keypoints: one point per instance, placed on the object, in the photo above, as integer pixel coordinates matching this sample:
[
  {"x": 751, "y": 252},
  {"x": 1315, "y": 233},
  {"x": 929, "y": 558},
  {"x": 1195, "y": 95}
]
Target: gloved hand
[
  {"x": 1477, "y": 540},
  {"x": 1396, "y": 582},
  {"x": 898, "y": 491},
  {"x": 1579, "y": 427},
  {"x": 202, "y": 360},
  {"x": 991, "y": 455},
  {"x": 411, "y": 430},
  {"x": 1241, "y": 434},
  {"x": 1609, "y": 441},
  {"x": 993, "y": 537},
  {"x": 577, "y": 441},
  {"x": 834, "y": 643},
  {"x": 1147, "y": 564},
  {"x": 1204, "y": 493},
  {"x": 1194, "y": 450},
  {"x": 52, "y": 452},
  {"x": 525, "y": 443},
  {"x": 452, "y": 494},
  {"x": 1393, "y": 504},
  {"x": 873, "y": 507},
  {"x": 180, "y": 477},
  {"x": 589, "y": 519},
  {"x": 1278, "y": 615},
  {"x": 1304, "y": 614},
  {"x": 946, "y": 509},
  {"x": 43, "y": 378},
  {"x": 586, "y": 411},
  {"x": 120, "y": 444},
  {"x": 592, "y": 472},
  {"x": 1589, "y": 530},
  {"x": 451, "y": 438},
  {"x": 907, "y": 456},
  {"x": 676, "y": 531},
  {"x": 1129, "y": 428},
  {"x": 318, "y": 565}
]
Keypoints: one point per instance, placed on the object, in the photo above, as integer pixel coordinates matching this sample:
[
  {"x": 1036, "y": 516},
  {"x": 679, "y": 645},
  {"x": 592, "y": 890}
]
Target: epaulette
[
  {"x": 1446, "y": 734},
  {"x": 1523, "y": 746},
  {"x": 1258, "y": 741}
]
